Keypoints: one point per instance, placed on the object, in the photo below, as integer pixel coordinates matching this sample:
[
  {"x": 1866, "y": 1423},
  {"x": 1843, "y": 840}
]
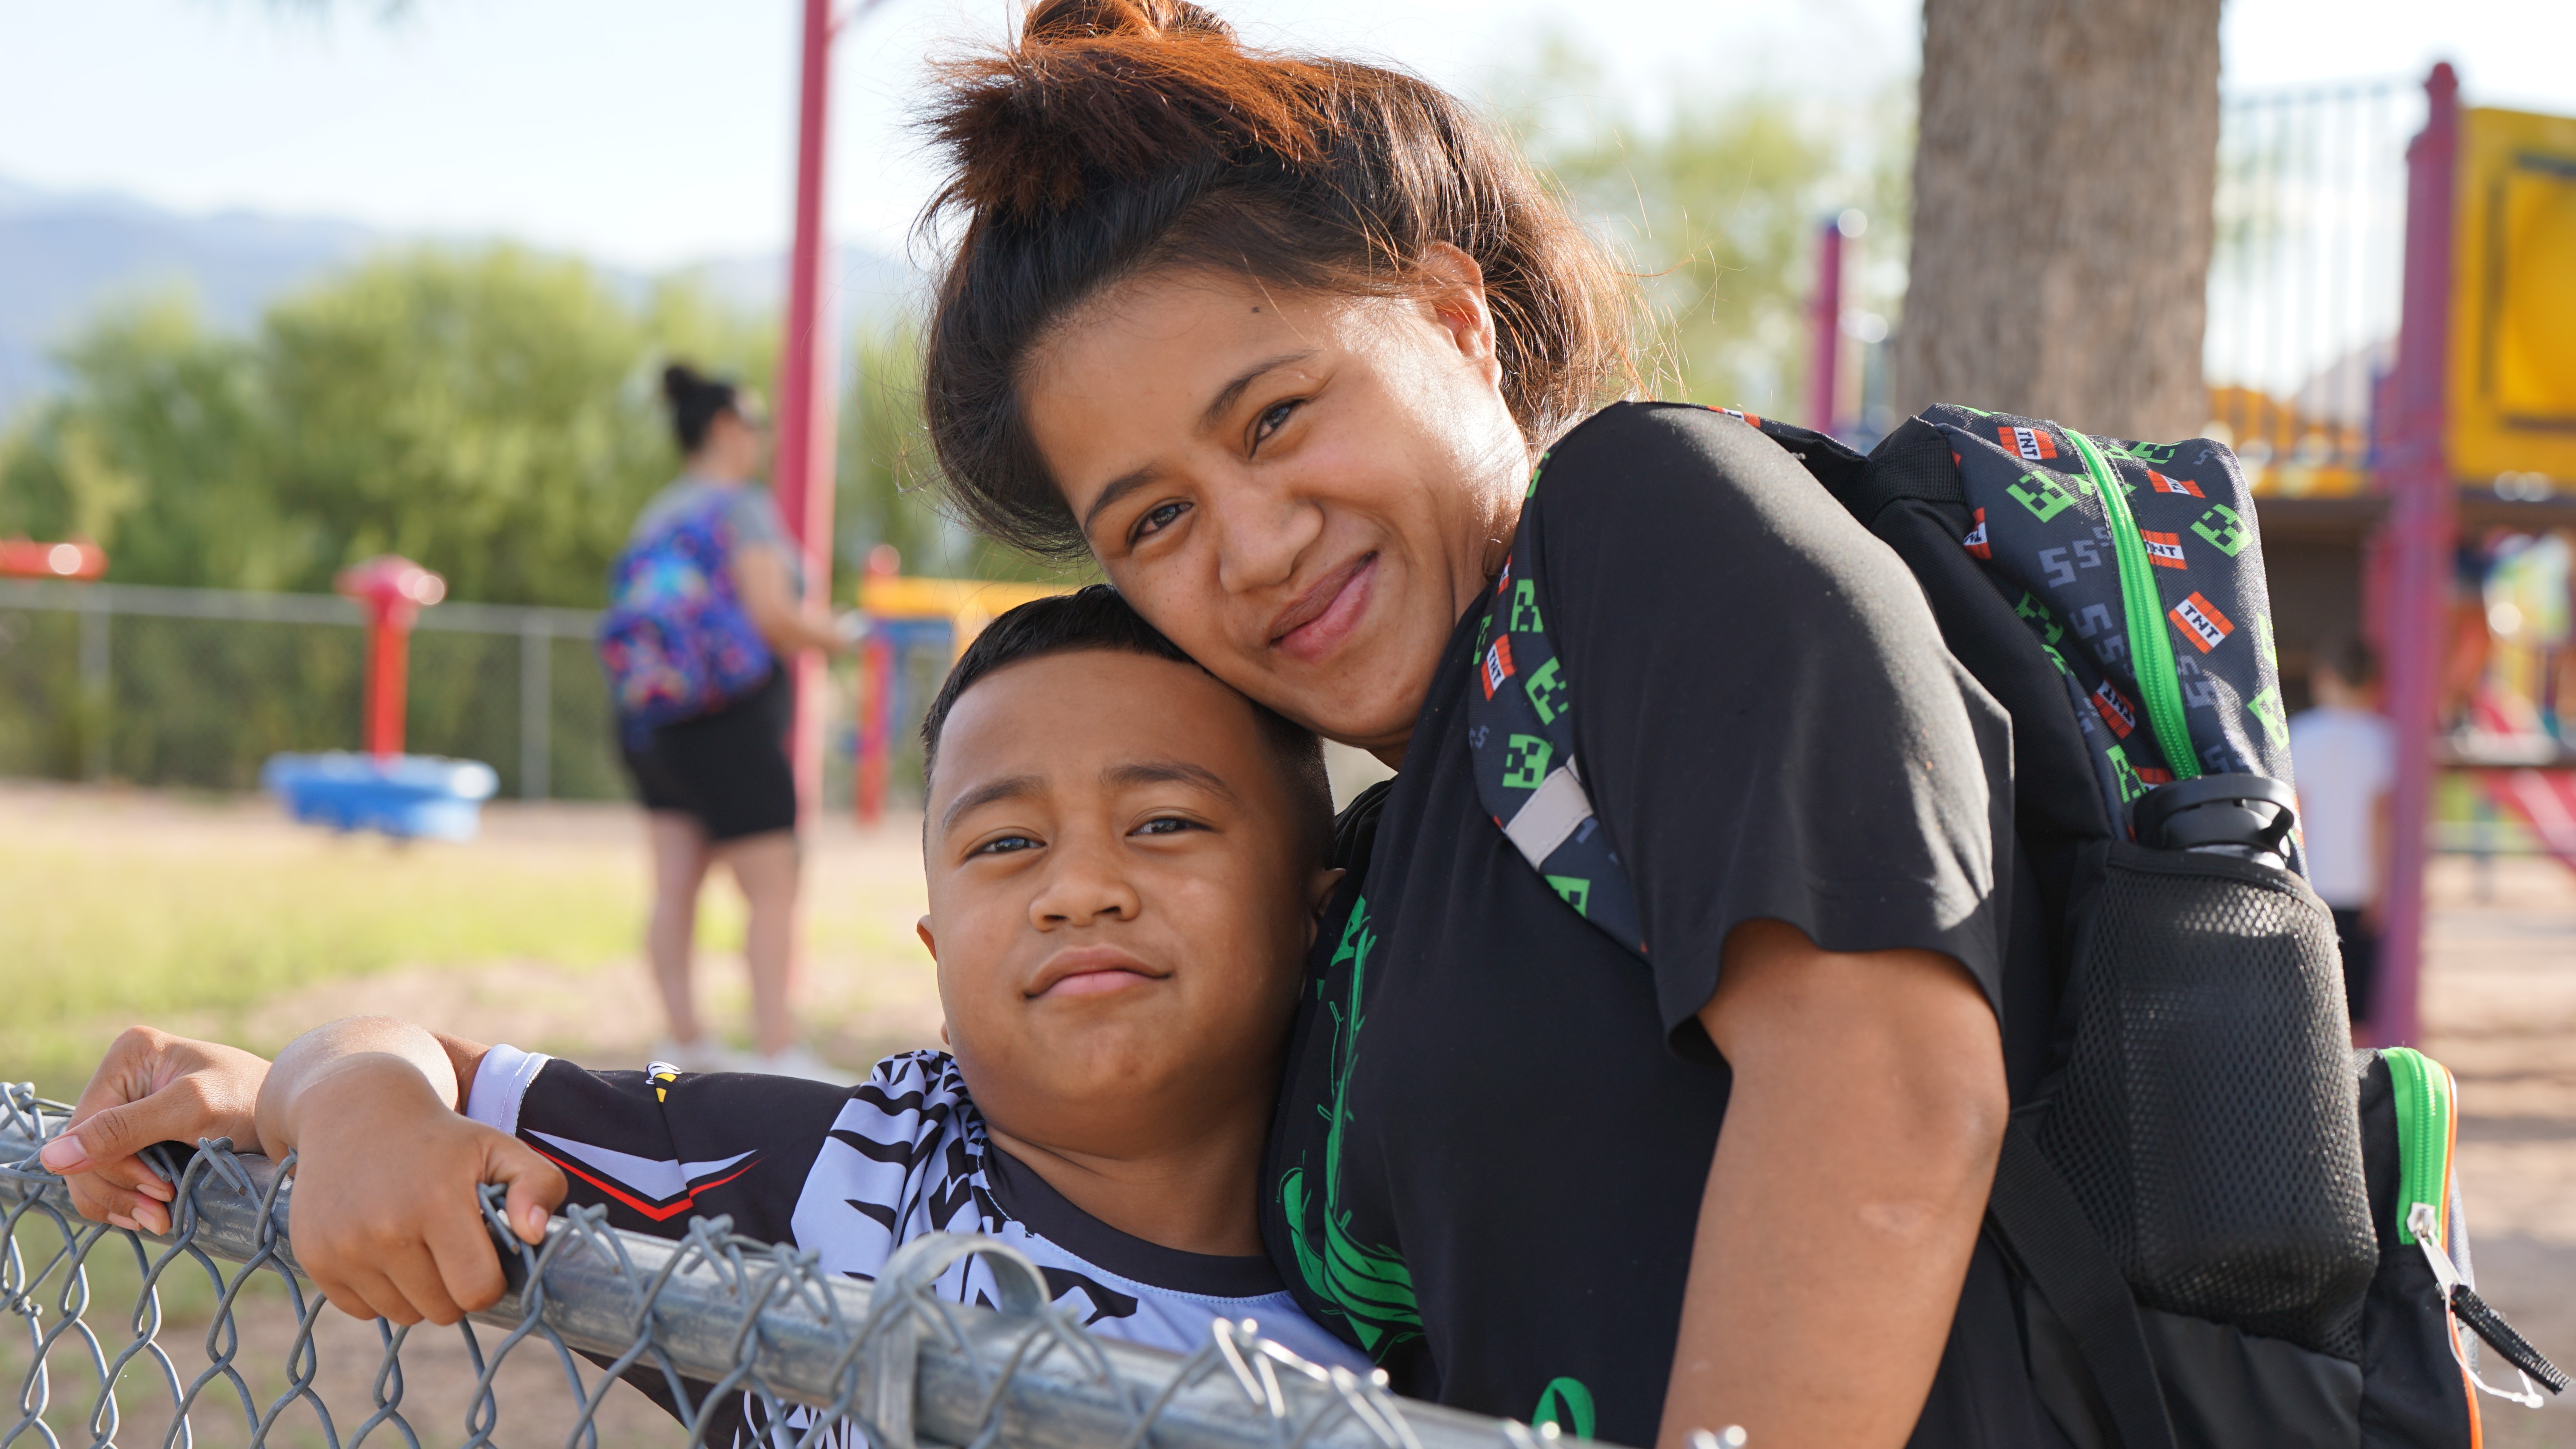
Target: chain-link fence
[
  {"x": 208, "y": 1336},
  {"x": 195, "y": 687}
]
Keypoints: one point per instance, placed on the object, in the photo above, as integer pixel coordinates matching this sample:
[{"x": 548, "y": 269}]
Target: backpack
[
  {"x": 675, "y": 641},
  {"x": 2226, "y": 1227}
]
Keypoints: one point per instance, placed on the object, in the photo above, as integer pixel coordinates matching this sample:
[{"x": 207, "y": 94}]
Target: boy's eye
[
  {"x": 1158, "y": 518},
  {"x": 1272, "y": 419},
  {"x": 1168, "y": 825},
  {"x": 1006, "y": 845}
]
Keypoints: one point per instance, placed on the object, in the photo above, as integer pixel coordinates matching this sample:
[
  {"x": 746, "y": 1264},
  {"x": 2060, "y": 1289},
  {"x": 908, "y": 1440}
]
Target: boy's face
[{"x": 1120, "y": 899}]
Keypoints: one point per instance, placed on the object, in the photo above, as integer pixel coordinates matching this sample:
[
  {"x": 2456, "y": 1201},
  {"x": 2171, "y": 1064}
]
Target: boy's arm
[{"x": 385, "y": 1217}]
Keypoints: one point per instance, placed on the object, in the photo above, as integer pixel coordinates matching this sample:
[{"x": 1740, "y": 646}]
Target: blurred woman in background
[{"x": 719, "y": 786}]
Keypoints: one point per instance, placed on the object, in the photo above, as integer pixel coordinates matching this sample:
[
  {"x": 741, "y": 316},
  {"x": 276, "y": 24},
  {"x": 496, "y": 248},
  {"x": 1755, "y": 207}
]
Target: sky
[{"x": 652, "y": 133}]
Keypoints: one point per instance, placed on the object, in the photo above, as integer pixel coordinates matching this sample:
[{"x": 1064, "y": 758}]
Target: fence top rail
[
  {"x": 711, "y": 1316},
  {"x": 250, "y": 606}
]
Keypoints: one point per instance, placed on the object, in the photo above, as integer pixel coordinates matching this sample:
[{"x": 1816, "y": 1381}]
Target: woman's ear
[{"x": 1456, "y": 299}]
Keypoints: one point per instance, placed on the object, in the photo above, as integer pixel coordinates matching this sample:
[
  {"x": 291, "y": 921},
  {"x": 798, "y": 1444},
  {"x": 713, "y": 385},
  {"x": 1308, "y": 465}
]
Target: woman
[
  {"x": 719, "y": 786},
  {"x": 1281, "y": 343}
]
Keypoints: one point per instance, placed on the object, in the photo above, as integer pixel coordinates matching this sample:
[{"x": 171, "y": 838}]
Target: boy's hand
[
  {"x": 152, "y": 1087},
  {"x": 384, "y": 1216}
]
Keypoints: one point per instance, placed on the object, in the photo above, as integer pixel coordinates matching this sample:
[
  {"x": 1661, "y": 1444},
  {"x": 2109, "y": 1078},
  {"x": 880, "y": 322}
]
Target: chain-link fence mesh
[{"x": 207, "y": 1336}]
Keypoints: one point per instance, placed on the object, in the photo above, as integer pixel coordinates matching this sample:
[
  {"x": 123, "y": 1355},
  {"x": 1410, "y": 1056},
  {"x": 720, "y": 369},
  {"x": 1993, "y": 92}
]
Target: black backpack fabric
[{"x": 2204, "y": 1191}]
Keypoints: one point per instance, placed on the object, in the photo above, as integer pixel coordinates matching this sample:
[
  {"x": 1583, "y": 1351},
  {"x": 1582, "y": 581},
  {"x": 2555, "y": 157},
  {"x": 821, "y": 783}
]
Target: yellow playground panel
[
  {"x": 905, "y": 614},
  {"x": 2513, "y": 298}
]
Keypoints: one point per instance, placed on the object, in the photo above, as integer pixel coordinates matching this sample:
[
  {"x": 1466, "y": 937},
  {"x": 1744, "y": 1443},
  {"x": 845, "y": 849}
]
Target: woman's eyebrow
[
  {"x": 1227, "y": 395},
  {"x": 1118, "y": 488}
]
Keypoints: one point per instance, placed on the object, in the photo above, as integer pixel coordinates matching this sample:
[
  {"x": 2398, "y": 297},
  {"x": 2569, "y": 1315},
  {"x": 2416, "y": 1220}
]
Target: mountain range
[{"x": 65, "y": 254}]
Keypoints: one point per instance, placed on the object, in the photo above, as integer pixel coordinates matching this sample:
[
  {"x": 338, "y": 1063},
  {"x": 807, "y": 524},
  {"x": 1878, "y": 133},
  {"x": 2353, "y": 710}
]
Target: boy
[
  {"x": 2345, "y": 759},
  {"x": 1125, "y": 863}
]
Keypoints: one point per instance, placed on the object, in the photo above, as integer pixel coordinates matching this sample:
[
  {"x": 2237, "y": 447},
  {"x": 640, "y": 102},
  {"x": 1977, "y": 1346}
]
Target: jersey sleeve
[
  {"x": 1768, "y": 723},
  {"x": 659, "y": 1150}
]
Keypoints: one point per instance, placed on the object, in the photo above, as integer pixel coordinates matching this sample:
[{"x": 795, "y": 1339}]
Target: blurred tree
[
  {"x": 887, "y": 488},
  {"x": 2062, "y": 195},
  {"x": 491, "y": 413},
  {"x": 1717, "y": 203}
]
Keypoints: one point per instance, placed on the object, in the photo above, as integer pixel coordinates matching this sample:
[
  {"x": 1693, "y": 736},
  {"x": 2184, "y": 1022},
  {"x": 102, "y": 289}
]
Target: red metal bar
[
  {"x": 1825, "y": 327},
  {"x": 876, "y": 725},
  {"x": 27, "y": 559},
  {"x": 807, "y": 419},
  {"x": 2422, "y": 525},
  {"x": 394, "y": 591}
]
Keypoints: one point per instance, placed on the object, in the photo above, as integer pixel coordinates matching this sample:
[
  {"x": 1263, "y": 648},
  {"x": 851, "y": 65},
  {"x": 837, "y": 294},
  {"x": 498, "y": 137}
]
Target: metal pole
[
  {"x": 1825, "y": 327},
  {"x": 803, "y": 475},
  {"x": 536, "y": 710},
  {"x": 2422, "y": 524},
  {"x": 97, "y": 684}
]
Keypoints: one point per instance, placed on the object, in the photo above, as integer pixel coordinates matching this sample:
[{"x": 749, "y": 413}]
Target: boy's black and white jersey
[{"x": 851, "y": 1173}]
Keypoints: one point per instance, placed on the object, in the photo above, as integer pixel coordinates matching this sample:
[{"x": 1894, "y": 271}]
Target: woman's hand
[
  {"x": 152, "y": 1087},
  {"x": 1850, "y": 1180},
  {"x": 760, "y": 576},
  {"x": 385, "y": 1215}
]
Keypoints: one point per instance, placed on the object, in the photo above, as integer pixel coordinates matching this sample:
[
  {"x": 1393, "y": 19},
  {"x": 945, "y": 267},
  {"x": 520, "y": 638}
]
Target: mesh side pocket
[{"x": 2207, "y": 1118}]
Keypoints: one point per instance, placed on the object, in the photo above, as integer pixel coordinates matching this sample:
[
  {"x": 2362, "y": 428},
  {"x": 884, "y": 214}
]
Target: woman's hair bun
[
  {"x": 1115, "y": 90},
  {"x": 680, "y": 382}
]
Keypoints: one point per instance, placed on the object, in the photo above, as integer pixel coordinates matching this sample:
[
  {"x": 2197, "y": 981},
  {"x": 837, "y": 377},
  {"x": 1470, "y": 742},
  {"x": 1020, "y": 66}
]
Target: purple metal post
[
  {"x": 2414, "y": 467},
  {"x": 1825, "y": 327}
]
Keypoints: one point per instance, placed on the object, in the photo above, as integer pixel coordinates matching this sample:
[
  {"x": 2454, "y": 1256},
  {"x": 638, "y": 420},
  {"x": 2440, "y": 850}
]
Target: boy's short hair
[{"x": 1097, "y": 617}]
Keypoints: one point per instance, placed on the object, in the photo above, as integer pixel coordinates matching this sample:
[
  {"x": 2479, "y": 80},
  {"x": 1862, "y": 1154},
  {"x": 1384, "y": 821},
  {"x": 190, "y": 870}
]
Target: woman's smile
[{"x": 1328, "y": 614}]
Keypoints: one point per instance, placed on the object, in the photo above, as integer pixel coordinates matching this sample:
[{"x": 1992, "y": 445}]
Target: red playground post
[
  {"x": 1825, "y": 328},
  {"x": 394, "y": 591},
  {"x": 807, "y": 424},
  {"x": 2422, "y": 526}
]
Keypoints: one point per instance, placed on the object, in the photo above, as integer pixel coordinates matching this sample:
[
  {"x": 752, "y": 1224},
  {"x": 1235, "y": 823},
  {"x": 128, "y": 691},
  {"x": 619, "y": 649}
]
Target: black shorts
[
  {"x": 2360, "y": 960},
  {"x": 728, "y": 770}
]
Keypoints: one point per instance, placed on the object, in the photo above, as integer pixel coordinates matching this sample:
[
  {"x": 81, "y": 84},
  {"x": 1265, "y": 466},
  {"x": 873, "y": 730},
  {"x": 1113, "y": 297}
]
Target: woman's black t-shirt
[{"x": 1496, "y": 1123}]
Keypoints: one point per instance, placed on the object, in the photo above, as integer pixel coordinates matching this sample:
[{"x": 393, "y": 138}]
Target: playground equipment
[
  {"x": 405, "y": 796},
  {"x": 904, "y": 617},
  {"x": 22, "y": 558}
]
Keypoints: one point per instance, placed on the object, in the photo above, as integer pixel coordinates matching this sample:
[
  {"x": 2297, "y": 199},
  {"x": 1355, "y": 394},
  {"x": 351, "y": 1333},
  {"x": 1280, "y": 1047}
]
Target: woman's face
[{"x": 1303, "y": 491}]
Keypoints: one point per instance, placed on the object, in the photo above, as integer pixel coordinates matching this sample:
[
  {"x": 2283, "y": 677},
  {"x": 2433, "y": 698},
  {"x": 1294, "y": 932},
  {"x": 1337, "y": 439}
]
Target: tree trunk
[{"x": 2062, "y": 192}]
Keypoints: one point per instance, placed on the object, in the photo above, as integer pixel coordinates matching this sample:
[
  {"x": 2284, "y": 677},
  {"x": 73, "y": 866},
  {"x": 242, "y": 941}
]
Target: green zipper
[
  {"x": 2423, "y": 1094},
  {"x": 2150, "y": 650}
]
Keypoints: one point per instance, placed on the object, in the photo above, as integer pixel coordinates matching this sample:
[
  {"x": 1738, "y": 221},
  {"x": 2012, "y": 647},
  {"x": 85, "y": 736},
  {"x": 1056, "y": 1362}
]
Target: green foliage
[
  {"x": 888, "y": 478},
  {"x": 1717, "y": 203}
]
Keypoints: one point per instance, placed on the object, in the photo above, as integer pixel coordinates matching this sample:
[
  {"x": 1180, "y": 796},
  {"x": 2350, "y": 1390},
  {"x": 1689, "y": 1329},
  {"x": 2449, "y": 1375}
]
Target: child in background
[
  {"x": 1125, "y": 862},
  {"x": 2345, "y": 760}
]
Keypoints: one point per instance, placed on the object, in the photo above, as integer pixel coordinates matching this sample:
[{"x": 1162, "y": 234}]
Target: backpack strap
[
  {"x": 1520, "y": 728},
  {"x": 2059, "y": 1253}
]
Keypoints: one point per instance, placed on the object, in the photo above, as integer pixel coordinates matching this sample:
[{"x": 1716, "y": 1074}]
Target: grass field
[{"x": 215, "y": 917}]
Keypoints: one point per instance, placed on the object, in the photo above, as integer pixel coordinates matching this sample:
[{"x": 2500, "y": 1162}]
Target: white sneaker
[{"x": 796, "y": 1061}]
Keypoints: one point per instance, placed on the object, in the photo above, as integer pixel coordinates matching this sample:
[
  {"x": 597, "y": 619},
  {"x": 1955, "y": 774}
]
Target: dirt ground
[
  {"x": 2499, "y": 1002},
  {"x": 2500, "y": 1011}
]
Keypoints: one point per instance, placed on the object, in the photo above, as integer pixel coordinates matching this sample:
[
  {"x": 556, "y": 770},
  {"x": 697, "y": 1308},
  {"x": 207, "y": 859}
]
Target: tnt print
[
  {"x": 2201, "y": 622},
  {"x": 1498, "y": 664},
  {"x": 2164, "y": 550},
  {"x": 1976, "y": 543},
  {"x": 2163, "y": 484},
  {"x": 2116, "y": 712},
  {"x": 2032, "y": 443}
]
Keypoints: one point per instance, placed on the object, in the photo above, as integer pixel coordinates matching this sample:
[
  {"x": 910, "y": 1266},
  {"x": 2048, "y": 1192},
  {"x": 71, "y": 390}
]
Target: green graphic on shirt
[
  {"x": 2266, "y": 707},
  {"x": 1370, "y": 1286},
  {"x": 1525, "y": 618},
  {"x": 1567, "y": 1404},
  {"x": 1575, "y": 889}
]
